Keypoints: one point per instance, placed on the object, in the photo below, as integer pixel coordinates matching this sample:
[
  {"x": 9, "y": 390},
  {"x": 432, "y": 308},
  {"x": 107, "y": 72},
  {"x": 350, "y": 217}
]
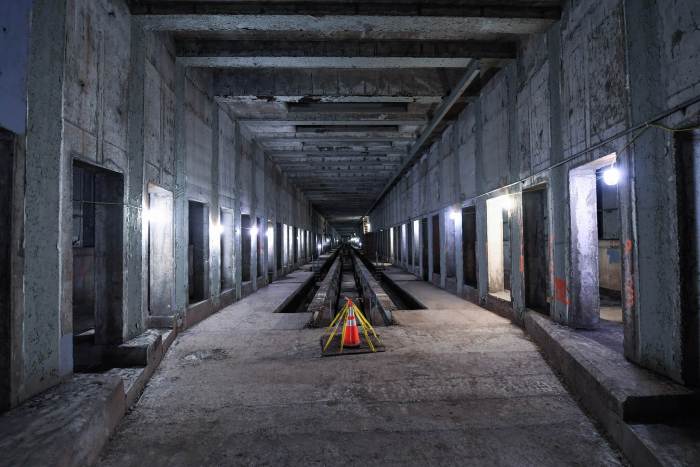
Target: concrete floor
[{"x": 457, "y": 385}]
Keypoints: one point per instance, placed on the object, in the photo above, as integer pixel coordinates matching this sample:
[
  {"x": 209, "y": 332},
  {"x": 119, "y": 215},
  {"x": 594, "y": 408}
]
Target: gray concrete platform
[
  {"x": 457, "y": 385},
  {"x": 64, "y": 426}
]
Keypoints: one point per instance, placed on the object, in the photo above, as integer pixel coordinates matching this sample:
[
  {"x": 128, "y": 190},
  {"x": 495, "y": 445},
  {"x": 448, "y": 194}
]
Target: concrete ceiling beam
[
  {"x": 548, "y": 9},
  {"x": 191, "y": 47},
  {"x": 340, "y": 120},
  {"x": 336, "y": 85},
  {"x": 321, "y": 138},
  {"x": 355, "y": 27},
  {"x": 323, "y": 62},
  {"x": 280, "y": 99}
]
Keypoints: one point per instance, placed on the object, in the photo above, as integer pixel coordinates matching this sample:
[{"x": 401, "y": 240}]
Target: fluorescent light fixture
[{"x": 611, "y": 176}]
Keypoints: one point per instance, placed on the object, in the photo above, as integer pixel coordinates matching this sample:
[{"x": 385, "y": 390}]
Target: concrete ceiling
[{"x": 345, "y": 95}]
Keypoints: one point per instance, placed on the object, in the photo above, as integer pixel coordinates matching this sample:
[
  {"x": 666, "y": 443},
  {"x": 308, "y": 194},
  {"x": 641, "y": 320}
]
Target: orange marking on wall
[
  {"x": 561, "y": 293},
  {"x": 629, "y": 292},
  {"x": 522, "y": 263},
  {"x": 628, "y": 246}
]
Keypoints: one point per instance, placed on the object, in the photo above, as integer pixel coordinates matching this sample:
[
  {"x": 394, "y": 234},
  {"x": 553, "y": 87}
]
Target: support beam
[
  {"x": 515, "y": 9},
  {"x": 334, "y": 85},
  {"x": 203, "y": 49},
  {"x": 315, "y": 25},
  {"x": 323, "y": 62},
  {"x": 342, "y": 121}
]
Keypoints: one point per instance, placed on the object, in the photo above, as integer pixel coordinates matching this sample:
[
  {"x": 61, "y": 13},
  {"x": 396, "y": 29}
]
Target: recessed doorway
[
  {"x": 97, "y": 236},
  {"x": 535, "y": 241}
]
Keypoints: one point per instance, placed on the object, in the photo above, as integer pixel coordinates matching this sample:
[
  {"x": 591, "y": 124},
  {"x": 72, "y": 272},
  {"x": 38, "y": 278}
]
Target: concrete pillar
[
  {"x": 180, "y": 214},
  {"x": 238, "y": 264},
  {"x": 482, "y": 248},
  {"x": 558, "y": 186},
  {"x": 135, "y": 300},
  {"x": 651, "y": 299},
  {"x": 215, "y": 211},
  {"x": 517, "y": 263},
  {"x": 584, "y": 295},
  {"x": 47, "y": 337}
]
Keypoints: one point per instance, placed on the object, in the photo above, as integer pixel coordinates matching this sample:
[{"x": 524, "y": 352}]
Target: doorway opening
[
  {"x": 535, "y": 241},
  {"x": 98, "y": 219},
  {"x": 161, "y": 267},
  {"x": 295, "y": 246},
  {"x": 424, "y": 248},
  {"x": 609, "y": 250},
  {"x": 688, "y": 159},
  {"x": 246, "y": 234},
  {"x": 6, "y": 175},
  {"x": 198, "y": 252},
  {"x": 469, "y": 246},
  {"x": 498, "y": 246},
  {"x": 436, "y": 244},
  {"x": 278, "y": 245},
  {"x": 226, "y": 222}
]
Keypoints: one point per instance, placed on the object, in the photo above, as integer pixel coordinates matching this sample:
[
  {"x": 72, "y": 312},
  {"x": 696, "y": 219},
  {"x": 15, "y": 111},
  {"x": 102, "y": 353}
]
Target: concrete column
[
  {"x": 136, "y": 240},
  {"x": 180, "y": 214},
  {"x": 558, "y": 247},
  {"x": 482, "y": 249},
  {"x": 517, "y": 263},
  {"x": 238, "y": 264},
  {"x": 215, "y": 211},
  {"x": 47, "y": 338},
  {"x": 651, "y": 255},
  {"x": 494, "y": 243},
  {"x": 443, "y": 247},
  {"x": 585, "y": 299}
]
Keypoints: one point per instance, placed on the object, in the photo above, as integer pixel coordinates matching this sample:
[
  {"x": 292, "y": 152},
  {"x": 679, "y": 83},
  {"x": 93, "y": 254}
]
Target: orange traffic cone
[{"x": 351, "y": 336}]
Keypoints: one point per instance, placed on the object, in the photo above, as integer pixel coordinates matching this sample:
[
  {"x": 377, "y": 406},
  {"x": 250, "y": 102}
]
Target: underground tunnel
[{"x": 485, "y": 211}]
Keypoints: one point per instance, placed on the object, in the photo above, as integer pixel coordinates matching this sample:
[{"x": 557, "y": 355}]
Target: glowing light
[
  {"x": 219, "y": 229},
  {"x": 506, "y": 202},
  {"x": 270, "y": 232},
  {"x": 320, "y": 246},
  {"x": 154, "y": 216},
  {"x": 253, "y": 231},
  {"x": 455, "y": 215},
  {"x": 611, "y": 176}
]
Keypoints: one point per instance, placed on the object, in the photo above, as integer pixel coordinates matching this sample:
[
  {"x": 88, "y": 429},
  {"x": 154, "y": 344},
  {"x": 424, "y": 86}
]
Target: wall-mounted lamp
[
  {"x": 506, "y": 202},
  {"x": 154, "y": 216},
  {"x": 611, "y": 176},
  {"x": 455, "y": 215}
]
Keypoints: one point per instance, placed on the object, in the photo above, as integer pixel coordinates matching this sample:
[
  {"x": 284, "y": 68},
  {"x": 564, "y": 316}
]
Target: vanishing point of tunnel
[{"x": 349, "y": 232}]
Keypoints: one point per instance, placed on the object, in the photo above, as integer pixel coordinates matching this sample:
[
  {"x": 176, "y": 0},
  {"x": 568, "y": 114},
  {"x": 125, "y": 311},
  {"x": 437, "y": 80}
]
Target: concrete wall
[
  {"x": 573, "y": 95},
  {"x": 103, "y": 91}
]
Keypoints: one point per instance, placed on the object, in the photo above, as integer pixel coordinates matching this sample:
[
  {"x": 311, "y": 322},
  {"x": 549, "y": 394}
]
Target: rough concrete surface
[{"x": 248, "y": 387}]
